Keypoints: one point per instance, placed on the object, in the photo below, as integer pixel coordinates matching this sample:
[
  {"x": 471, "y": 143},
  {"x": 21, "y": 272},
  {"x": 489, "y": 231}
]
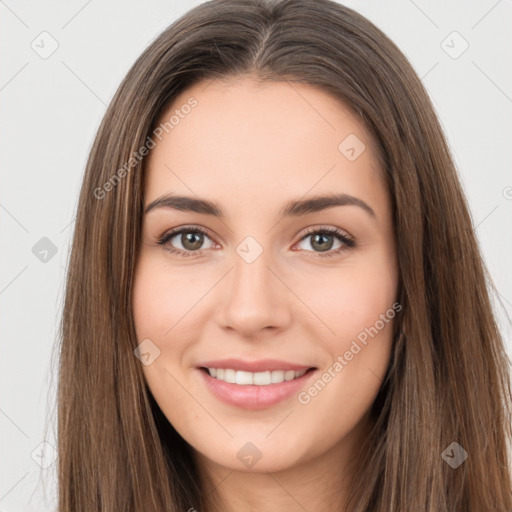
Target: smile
[
  {"x": 244, "y": 378},
  {"x": 254, "y": 390}
]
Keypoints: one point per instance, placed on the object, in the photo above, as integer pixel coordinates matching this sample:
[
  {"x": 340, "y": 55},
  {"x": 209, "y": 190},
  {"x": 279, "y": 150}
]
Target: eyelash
[{"x": 347, "y": 242}]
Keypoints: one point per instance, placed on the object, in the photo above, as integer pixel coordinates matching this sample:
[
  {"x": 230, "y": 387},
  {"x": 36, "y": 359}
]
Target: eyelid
[
  {"x": 171, "y": 233},
  {"x": 326, "y": 229},
  {"x": 345, "y": 238}
]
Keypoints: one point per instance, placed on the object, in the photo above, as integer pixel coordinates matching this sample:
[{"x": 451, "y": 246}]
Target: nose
[{"x": 254, "y": 298}]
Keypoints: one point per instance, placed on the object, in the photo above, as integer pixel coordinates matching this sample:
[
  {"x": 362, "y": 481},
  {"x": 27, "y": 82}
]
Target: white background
[{"x": 51, "y": 109}]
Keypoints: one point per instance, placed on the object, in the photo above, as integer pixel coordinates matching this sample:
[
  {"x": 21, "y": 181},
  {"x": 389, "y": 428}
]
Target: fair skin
[{"x": 251, "y": 148}]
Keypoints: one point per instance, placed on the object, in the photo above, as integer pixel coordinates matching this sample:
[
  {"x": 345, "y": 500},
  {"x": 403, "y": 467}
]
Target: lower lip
[{"x": 254, "y": 397}]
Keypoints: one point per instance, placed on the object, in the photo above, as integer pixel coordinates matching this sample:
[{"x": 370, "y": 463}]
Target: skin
[{"x": 252, "y": 147}]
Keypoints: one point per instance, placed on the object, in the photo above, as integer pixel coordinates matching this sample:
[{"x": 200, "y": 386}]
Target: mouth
[
  {"x": 244, "y": 378},
  {"x": 255, "y": 390}
]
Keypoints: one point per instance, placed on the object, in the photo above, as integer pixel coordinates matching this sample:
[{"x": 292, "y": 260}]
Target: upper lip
[{"x": 260, "y": 365}]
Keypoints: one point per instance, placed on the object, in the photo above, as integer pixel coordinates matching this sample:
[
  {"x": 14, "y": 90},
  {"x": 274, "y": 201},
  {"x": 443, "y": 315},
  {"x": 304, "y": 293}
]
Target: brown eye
[
  {"x": 185, "y": 241},
  {"x": 191, "y": 240},
  {"x": 322, "y": 242}
]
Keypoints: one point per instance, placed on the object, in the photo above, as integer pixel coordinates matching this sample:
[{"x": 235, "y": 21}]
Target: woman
[{"x": 275, "y": 297}]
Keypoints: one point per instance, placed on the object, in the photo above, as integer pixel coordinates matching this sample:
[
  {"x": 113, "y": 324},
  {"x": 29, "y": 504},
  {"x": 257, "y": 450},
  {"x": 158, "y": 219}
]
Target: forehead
[{"x": 260, "y": 141}]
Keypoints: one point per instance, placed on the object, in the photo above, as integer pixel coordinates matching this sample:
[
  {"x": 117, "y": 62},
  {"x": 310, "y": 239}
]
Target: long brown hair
[{"x": 448, "y": 378}]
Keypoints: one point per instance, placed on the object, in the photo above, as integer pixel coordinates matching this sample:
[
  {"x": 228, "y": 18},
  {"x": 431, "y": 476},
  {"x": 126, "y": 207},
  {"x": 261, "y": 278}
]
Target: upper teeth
[{"x": 258, "y": 378}]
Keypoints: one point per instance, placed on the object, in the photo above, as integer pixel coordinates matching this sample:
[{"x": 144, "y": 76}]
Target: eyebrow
[{"x": 294, "y": 208}]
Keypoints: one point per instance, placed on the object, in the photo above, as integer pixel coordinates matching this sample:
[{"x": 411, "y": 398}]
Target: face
[{"x": 261, "y": 289}]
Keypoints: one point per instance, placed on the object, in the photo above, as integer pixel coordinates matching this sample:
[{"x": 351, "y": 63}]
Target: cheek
[
  {"x": 351, "y": 298},
  {"x": 160, "y": 303},
  {"x": 357, "y": 304},
  {"x": 360, "y": 315},
  {"x": 161, "y": 299}
]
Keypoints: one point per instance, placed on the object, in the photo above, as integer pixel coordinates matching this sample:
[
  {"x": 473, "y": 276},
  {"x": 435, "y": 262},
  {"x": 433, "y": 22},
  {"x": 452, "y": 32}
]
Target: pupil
[
  {"x": 194, "y": 240},
  {"x": 322, "y": 238},
  {"x": 188, "y": 239}
]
